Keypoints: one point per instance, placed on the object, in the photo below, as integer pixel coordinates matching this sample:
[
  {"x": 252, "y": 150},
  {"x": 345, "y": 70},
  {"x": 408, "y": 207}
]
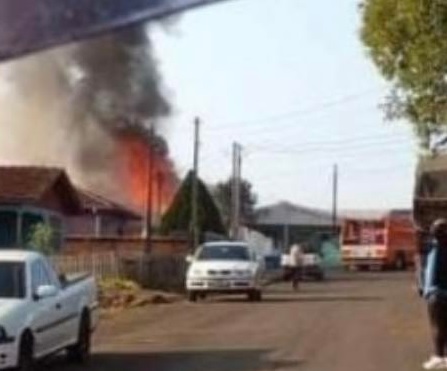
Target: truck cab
[{"x": 39, "y": 314}]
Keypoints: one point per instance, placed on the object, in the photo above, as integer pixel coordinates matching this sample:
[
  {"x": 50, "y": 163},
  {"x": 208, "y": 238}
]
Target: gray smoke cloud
[{"x": 67, "y": 106}]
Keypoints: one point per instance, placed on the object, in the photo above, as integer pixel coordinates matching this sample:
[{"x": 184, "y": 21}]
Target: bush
[
  {"x": 41, "y": 239},
  {"x": 117, "y": 293}
]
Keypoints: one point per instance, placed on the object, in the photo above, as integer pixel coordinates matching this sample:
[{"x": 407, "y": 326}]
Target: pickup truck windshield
[
  {"x": 12, "y": 280},
  {"x": 224, "y": 252}
]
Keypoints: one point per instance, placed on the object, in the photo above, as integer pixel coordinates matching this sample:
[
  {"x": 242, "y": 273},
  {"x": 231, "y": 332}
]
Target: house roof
[
  {"x": 28, "y": 184},
  {"x": 286, "y": 213},
  {"x": 93, "y": 202}
]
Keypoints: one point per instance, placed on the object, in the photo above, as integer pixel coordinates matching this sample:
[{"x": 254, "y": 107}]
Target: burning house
[
  {"x": 81, "y": 221},
  {"x": 96, "y": 109},
  {"x": 101, "y": 217},
  {"x": 151, "y": 180},
  {"x": 89, "y": 108}
]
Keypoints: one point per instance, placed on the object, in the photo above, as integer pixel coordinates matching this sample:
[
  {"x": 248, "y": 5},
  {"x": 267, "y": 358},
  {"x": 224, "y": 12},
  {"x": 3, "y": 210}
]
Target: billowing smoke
[{"x": 69, "y": 107}]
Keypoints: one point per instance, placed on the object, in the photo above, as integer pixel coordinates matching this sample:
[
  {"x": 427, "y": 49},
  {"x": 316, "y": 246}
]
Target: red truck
[{"x": 385, "y": 240}]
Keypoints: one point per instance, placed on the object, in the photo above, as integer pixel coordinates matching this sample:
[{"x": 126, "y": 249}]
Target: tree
[
  {"x": 222, "y": 193},
  {"x": 178, "y": 217},
  {"x": 41, "y": 238},
  {"x": 407, "y": 40}
]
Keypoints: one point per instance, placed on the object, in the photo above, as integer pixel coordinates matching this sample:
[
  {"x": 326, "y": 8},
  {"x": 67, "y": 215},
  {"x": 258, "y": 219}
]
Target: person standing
[
  {"x": 433, "y": 287},
  {"x": 296, "y": 261}
]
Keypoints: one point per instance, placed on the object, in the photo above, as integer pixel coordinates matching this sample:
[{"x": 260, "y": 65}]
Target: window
[
  {"x": 364, "y": 233},
  {"x": 224, "y": 252},
  {"x": 12, "y": 280},
  {"x": 39, "y": 275},
  {"x": 8, "y": 229},
  {"x": 51, "y": 273}
]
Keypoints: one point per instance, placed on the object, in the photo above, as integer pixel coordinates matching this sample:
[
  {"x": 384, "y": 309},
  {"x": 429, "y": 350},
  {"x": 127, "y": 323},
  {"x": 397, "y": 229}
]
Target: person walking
[
  {"x": 433, "y": 287},
  {"x": 296, "y": 261}
]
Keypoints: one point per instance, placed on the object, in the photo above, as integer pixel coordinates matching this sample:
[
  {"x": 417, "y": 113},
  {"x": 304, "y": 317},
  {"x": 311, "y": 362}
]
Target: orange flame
[{"x": 136, "y": 154}]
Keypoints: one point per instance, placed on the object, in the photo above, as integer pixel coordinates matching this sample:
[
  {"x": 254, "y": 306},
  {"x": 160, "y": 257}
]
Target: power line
[
  {"x": 344, "y": 159},
  {"x": 348, "y": 170},
  {"x": 295, "y": 113},
  {"x": 344, "y": 143},
  {"x": 341, "y": 141},
  {"x": 271, "y": 129},
  {"x": 353, "y": 149}
]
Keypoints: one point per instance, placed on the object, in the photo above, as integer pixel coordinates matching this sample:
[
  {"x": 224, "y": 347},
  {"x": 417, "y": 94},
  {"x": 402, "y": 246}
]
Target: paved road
[{"x": 367, "y": 322}]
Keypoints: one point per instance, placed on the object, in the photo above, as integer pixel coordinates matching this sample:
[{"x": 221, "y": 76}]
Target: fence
[
  {"x": 102, "y": 266},
  {"x": 155, "y": 272}
]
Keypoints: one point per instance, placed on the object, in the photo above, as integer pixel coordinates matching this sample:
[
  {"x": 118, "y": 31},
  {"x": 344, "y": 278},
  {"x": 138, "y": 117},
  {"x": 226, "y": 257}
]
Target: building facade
[{"x": 287, "y": 224}]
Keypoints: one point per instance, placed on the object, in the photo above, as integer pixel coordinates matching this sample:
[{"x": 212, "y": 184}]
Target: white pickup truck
[{"x": 41, "y": 314}]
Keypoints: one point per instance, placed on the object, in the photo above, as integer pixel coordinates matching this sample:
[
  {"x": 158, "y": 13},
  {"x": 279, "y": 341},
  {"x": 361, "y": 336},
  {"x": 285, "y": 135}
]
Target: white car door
[
  {"x": 67, "y": 306},
  {"x": 47, "y": 313}
]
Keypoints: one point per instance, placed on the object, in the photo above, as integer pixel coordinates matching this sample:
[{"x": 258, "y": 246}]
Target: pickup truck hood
[{"x": 223, "y": 265}]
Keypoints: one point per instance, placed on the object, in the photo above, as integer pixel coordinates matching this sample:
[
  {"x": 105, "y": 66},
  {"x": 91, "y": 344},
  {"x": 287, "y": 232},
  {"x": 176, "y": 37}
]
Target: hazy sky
[{"x": 291, "y": 82}]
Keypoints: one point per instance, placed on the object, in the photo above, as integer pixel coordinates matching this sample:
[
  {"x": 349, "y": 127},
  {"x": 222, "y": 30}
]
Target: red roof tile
[{"x": 28, "y": 184}]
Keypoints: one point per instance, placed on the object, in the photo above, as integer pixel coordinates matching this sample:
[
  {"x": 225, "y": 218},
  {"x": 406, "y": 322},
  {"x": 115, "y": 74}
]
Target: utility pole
[
  {"x": 236, "y": 191},
  {"x": 149, "y": 197},
  {"x": 195, "y": 189},
  {"x": 160, "y": 181},
  {"x": 334, "y": 199}
]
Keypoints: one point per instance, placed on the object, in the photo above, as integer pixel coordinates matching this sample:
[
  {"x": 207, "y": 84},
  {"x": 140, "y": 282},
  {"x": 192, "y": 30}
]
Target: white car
[
  {"x": 39, "y": 314},
  {"x": 227, "y": 268}
]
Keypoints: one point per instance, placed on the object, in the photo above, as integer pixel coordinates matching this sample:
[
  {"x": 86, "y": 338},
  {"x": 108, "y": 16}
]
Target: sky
[{"x": 291, "y": 82}]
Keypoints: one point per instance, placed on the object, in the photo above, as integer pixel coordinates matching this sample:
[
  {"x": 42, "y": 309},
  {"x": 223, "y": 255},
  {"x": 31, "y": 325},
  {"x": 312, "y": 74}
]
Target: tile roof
[
  {"x": 29, "y": 184},
  {"x": 26, "y": 183}
]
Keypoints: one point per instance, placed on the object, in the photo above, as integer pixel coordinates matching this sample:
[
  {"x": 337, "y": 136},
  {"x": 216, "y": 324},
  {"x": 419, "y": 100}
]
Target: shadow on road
[
  {"x": 373, "y": 276},
  {"x": 323, "y": 299},
  {"x": 211, "y": 360},
  {"x": 301, "y": 299}
]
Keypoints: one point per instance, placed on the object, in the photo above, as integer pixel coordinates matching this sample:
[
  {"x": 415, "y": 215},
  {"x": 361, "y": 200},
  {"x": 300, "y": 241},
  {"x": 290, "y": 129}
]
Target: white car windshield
[
  {"x": 12, "y": 280},
  {"x": 224, "y": 252}
]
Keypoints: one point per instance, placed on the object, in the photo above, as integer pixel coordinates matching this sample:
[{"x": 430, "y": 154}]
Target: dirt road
[{"x": 367, "y": 322}]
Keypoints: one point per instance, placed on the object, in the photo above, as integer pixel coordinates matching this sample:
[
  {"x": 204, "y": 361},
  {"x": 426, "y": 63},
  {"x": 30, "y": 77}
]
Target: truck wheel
[
  {"x": 26, "y": 353},
  {"x": 80, "y": 352},
  {"x": 192, "y": 296}
]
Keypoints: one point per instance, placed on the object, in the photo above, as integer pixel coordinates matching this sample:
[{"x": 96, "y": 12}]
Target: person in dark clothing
[{"x": 433, "y": 287}]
